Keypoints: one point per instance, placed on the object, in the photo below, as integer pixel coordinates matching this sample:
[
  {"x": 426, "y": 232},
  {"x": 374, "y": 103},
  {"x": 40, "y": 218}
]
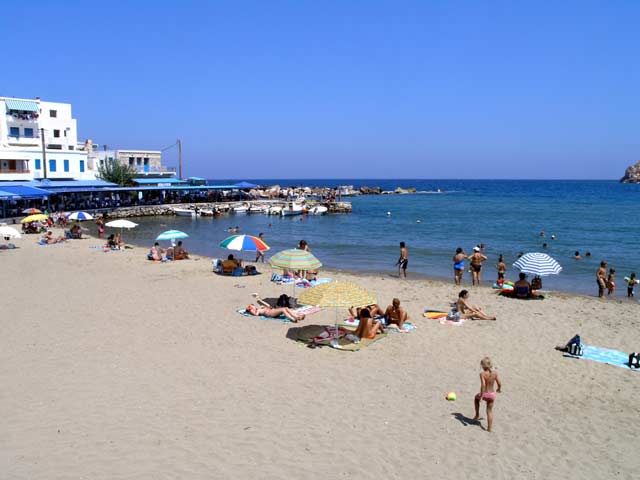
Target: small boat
[
  {"x": 318, "y": 210},
  {"x": 184, "y": 212},
  {"x": 346, "y": 191},
  {"x": 292, "y": 208},
  {"x": 206, "y": 213},
  {"x": 244, "y": 208},
  {"x": 275, "y": 210},
  {"x": 257, "y": 208}
]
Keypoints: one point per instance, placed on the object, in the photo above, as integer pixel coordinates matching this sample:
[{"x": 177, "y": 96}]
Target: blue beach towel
[
  {"x": 604, "y": 355},
  {"x": 281, "y": 318}
]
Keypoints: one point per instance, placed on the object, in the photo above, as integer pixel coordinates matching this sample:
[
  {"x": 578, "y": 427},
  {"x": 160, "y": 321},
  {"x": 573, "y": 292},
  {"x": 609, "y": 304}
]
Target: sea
[{"x": 507, "y": 216}]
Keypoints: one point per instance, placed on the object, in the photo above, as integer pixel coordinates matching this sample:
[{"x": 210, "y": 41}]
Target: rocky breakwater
[
  {"x": 370, "y": 190},
  {"x": 339, "y": 207},
  {"x": 632, "y": 174},
  {"x": 156, "y": 210}
]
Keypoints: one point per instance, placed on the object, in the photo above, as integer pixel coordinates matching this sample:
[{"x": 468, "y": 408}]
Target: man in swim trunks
[
  {"x": 601, "y": 278},
  {"x": 458, "y": 265},
  {"x": 403, "y": 261},
  {"x": 396, "y": 314},
  {"x": 476, "y": 260}
]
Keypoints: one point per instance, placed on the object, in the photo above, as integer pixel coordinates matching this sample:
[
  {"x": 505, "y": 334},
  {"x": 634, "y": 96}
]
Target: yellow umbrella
[
  {"x": 34, "y": 218},
  {"x": 337, "y": 294}
]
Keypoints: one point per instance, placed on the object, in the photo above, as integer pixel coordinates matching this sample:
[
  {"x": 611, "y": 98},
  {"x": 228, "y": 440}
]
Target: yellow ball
[{"x": 451, "y": 396}]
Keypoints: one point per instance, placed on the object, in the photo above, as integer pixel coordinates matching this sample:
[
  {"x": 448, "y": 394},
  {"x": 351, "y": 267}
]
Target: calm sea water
[{"x": 507, "y": 216}]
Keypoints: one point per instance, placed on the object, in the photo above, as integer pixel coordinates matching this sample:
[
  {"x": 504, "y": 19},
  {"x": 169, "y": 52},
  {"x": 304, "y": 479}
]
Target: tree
[{"x": 116, "y": 172}]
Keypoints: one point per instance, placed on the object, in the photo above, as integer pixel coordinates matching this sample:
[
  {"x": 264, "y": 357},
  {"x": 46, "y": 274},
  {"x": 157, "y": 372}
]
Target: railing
[
  {"x": 143, "y": 169},
  {"x": 18, "y": 137},
  {"x": 13, "y": 171},
  {"x": 32, "y": 117}
]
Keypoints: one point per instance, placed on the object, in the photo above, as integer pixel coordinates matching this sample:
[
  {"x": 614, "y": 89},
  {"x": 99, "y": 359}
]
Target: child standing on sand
[
  {"x": 502, "y": 268},
  {"x": 488, "y": 380}
]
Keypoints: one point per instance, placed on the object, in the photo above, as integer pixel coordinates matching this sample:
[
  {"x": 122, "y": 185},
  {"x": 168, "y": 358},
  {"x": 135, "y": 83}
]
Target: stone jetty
[{"x": 632, "y": 174}]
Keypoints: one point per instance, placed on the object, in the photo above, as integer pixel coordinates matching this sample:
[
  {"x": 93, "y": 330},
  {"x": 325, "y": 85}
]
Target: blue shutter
[
  {"x": 37, "y": 163},
  {"x": 66, "y": 165},
  {"x": 52, "y": 165},
  {"x": 81, "y": 166},
  {"x": 14, "y": 131}
]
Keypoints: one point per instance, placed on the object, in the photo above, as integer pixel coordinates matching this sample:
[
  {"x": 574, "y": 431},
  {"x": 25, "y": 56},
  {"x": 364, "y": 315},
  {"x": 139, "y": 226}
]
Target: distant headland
[{"x": 632, "y": 174}]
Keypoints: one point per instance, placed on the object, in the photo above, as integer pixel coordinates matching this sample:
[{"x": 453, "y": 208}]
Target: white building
[{"x": 23, "y": 123}]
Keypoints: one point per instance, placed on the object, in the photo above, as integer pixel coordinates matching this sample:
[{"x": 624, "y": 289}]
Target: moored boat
[
  {"x": 318, "y": 210},
  {"x": 184, "y": 212},
  {"x": 291, "y": 208}
]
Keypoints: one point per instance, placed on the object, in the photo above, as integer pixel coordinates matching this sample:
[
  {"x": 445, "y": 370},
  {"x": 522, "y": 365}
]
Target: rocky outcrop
[
  {"x": 632, "y": 174},
  {"x": 405, "y": 190},
  {"x": 370, "y": 190}
]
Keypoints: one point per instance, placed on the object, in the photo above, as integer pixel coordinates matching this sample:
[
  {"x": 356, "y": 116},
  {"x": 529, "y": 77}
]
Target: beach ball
[{"x": 451, "y": 396}]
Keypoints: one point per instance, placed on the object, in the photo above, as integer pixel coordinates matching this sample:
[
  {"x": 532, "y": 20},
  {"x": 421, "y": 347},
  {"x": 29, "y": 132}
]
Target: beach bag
[
  {"x": 283, "y": 301},
  {"x": 574, "y": 346},
  {"x": 634, "y": 360},
  {"x": 251, "y": 270}
]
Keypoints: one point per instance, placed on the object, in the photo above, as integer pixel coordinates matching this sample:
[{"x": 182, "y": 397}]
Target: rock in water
[{"x": 632, "y": 174}]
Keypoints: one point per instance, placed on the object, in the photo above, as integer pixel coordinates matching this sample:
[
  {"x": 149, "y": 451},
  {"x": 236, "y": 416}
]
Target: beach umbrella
[
  {"x": 79, "y": 216},
  {"x": 31, "y": 211},
  {"x": 8, "y": 232},
  {"x": 34, "y": 218},
  {"x": 171, "y": 235},
  {"x": 295, "y": 259},
  {"x": 337, "y": 295},
  {"x": 539, "y": 264},
  {"x": 245, "y": 243},
  {"x": 121, "y": 223}
]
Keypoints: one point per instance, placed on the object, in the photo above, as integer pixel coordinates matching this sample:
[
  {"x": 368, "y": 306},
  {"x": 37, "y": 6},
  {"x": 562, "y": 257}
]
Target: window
[
  {"x": 56, "y": 133},
  {"x": 131, "y": 161},
  {"x": 28, "y": 132},
  {"x": 139, "y": 161},
  {"x": 14, "y": 132},
  {"x": 65, "y": 132},
  {"x": 66, "y": 165},
  {"x": 53, "y": 113},
  {"x": 71, "y": 147},
  {"x": 81, "y": 166},
  {"x": 146, "y": 160},
  {"x": 52, "y": 165},
  {"x": 37, "y": 163}
]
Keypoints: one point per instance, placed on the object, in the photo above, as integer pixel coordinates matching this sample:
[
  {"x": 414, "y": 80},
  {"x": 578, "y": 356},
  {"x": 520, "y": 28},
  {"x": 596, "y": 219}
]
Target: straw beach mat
[{"x": 310, "y": 333}]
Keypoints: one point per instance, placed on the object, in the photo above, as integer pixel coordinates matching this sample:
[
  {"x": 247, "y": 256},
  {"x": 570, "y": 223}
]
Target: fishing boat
[
  {"x": 244, "y": 208},
  {"x": 206, "y": 213},
  {"x": 346, "y": 191},
  {"x": 318, "y": 210},
  {"x": 184, "y": 212},
  {"x": 258, "y": 208},
  {"x": 292, "y": 208},
  {"x": 274, "y": 210}
]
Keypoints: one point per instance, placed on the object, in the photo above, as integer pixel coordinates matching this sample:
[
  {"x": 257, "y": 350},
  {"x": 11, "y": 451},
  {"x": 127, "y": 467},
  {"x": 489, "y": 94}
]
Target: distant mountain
[{"x": 632, "y": 174}]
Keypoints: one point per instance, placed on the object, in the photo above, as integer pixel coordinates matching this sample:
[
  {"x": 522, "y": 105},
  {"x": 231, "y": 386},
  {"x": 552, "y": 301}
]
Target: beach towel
[
  {"x": 354, "y": 322},
  {"x": 604, "y": 355},
  {"x": 442, "y": 317},
  {"x": 307, "y": 310},
  {"x": 322, "y": 335},
  {"x": 312, "y": 283}
]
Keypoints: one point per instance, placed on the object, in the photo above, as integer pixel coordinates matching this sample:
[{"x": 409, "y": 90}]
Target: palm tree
[{"x": 116, "y": 172}]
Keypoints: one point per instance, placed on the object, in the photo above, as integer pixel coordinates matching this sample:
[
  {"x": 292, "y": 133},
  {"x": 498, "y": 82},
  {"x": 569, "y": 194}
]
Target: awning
[
  {"x": 22, "y": 105},
  {"x": 24, "y": 192},
  {"x": 8, "y": 196},
  {"x": 163, "y": 181}
]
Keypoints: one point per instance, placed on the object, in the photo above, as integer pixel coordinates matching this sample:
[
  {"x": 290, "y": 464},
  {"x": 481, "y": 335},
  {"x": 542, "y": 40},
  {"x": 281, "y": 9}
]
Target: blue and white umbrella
[
  {"x": 171, "y": 235},
  {"x": 537, "y": 263},
  {"x": 79, "y": 216}
]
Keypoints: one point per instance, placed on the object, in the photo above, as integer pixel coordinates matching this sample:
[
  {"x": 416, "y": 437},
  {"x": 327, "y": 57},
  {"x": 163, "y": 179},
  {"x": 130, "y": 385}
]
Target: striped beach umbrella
[
  {"x": 295, "y": 259},
  {"x": 34, "y": 218},
  {"x": 338, "y": 295},
  {"x": 537, "y": 263},
  {"x": 246, "y": 243},
  {"x": 31, "y": 211},
  {"x": 79, "y": 216},
  {"x": 171, "y": 235}
]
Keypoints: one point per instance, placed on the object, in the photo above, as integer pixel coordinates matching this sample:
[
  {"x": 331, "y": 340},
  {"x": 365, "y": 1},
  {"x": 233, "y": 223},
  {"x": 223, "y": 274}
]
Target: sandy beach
[{"x": 113, "y": 367}]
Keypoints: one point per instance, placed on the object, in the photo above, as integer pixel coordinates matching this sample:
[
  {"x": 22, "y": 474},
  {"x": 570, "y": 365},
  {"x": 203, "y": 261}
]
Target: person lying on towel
[
  {"x": 374, "y": 309},
  {"x": 261, "y": 310}
]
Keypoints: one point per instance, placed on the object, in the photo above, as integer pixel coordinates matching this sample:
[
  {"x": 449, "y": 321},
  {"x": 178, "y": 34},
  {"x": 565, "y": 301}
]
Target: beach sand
[{"x": 113, "y": 367}]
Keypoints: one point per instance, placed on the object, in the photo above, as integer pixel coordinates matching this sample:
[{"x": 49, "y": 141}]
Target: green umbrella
[{"x": 296, "y": 260}]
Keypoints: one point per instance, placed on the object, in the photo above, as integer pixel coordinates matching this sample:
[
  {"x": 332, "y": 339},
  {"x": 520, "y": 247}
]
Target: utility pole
[
  {"x": 179, "y": 159},
  {"x": 44, "y": 153}
]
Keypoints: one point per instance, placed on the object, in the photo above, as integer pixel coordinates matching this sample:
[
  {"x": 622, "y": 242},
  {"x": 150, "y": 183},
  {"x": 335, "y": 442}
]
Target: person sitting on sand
[
  {"x": 49, "y": 238},
  {"x": 396, "y": 314},
  {"x": 522, "y": 288},
  {"x": 368, "y": 327},
  {"x": 111, "y": 242},
  {"x": 119, "y": 242},
  {"x": 76, "y": 231},
  {"x": 231, "y": 263},
  {"x": 156, "y": 252},
  {"x": 271, "y": 312},
  {"x": 180, "y": 253},
  {"x": 373, "y": 310},
  {"x": 466, "y": 311}
]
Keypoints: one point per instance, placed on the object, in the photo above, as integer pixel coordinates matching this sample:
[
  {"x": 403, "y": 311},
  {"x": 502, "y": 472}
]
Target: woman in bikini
[
  {"x": 466, "y": 311},
  {"x": 488, "y": 393},
  {"x": 368, "y": 327},
  {"x": 476, "y": 260},
  {"x": 458, "y": 265},
  {"x": 261, "y": 310}
]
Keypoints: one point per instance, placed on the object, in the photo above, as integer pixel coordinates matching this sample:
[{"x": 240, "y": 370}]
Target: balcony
[
  {"x": 15, "y": 174},
  {"x": 14, "y": 170},
  {"x": 21, "y": 140},
  {"x": 22, "y": 116}
]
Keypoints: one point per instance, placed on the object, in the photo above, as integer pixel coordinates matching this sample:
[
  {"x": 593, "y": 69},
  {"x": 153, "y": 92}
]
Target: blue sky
[{"x": 348, "y": 89}]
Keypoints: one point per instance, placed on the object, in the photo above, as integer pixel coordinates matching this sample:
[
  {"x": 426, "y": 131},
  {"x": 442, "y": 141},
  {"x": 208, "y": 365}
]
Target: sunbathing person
[
  {"x": 373, "y": 310},
  {"x": 231, "y": 262},
  {"x": 466, "y": 311},
  {"x": 111, "y": 242},
  {"x": 180, "y": 253},
  {"x": 396, "y": 314},
  {"x": 522, "y": 288},
  {"x": 76, "y": 232},
  {"x": 268, "y": 311},
  {"x": 368, "y": 327},
  {"x": 156, "y": 252},
  {"x": 49, "y": 238}
]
